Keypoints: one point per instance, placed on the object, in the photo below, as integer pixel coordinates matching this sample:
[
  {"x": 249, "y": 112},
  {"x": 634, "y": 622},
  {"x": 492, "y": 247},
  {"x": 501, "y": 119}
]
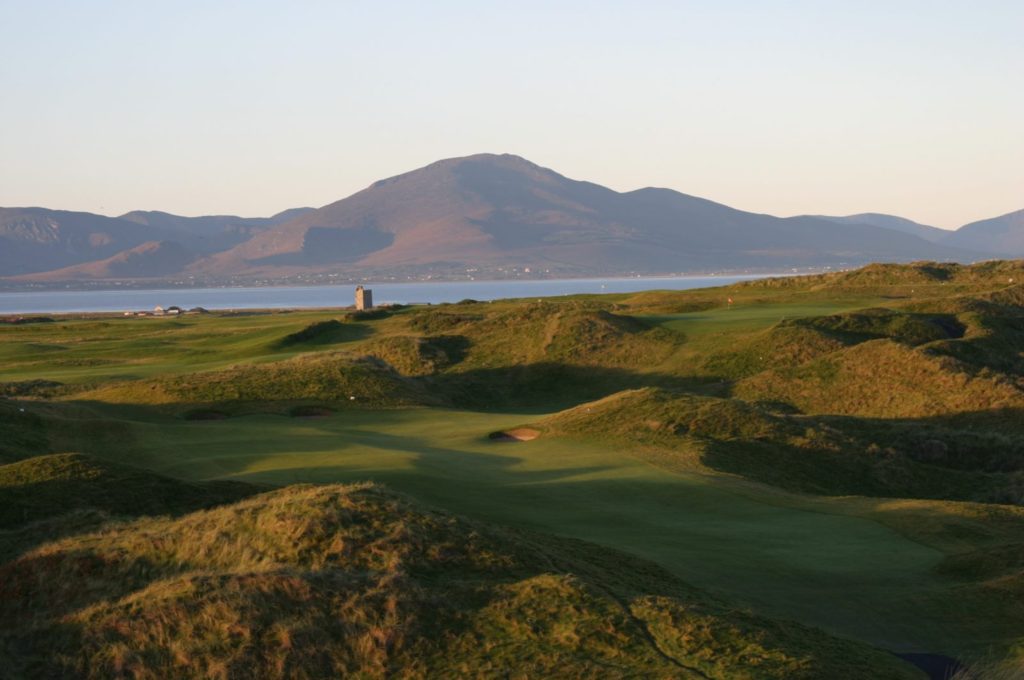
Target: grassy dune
[
  {"x": 319, "y": 581},
  {"x": 48, "y": 496},
  {"x": 883, "y": 379},
  {"x": 324, "y": 376},
  {"x": 841, "y": 450},
  {"x": 815, "y": 564}
]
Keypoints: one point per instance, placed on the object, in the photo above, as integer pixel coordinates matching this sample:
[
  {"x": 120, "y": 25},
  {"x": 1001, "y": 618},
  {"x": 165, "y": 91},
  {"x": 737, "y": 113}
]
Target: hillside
[
  {"x": 925, "y": 231},
  {"x": 358, "y": 581},
  {"x": 151, "y": 259},
  {"x": 503, "y": 210},
  {"x": 49, "y": 496},
  {"x": 61, "y": 245},
  {"x": 485, "y": 213},
  {"x": 820, "y": 455},
  {"x": 842, "y": 450},
  {"x": 1003, "y": 235},
  {"x": 36, "y": 239},
  {"x": 324, "y": 377}
]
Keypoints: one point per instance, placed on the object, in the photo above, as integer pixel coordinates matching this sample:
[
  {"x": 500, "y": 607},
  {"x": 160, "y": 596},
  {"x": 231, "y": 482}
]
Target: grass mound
[
  {"x": 673, "y": 302},
  {"x": 417, "y": 356},
  {"x": 531, "y": 353},
  {"x": 909, "y": 329},
  {"x": 940, "y": 278},
  {"x": 784, "y": 345},
  {"x": 30, "y": 388},
  {"x": 319, "y": 333},
  {"x": 884, "y": 379},
  {"x": 888, "y": 274},
  {"x": 324, "y": 377},
  {"x": 793, "y": 342},
  {"x": 1009, "y": 297},
  {"x": 1004, "y": 300},
  {"x": 663, "y": 412},
  {"x": 369, "y": 314},
  {"x": 434, "y": 321},
  {"x": 48, "y": 486},
  {"x": 573, "y": 334},
  {"x": 315, "y": 582},
  {"x": 801, "y": 453},
  {"x": 995, "y": 273},
  {"x": 994, "y": 342}
]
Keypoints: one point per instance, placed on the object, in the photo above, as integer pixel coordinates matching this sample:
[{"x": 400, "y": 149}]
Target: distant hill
[
  {"x": 151, "y": 259},
  {"x": 928, "y": 233},
  {"x": 67, "y": 245},
  {"x": 504, "y": 210},
  {"x": 1003, "y": 235},
  {"x": 37, "y": 239},
  {"x": 485, "y": 213},
  {"x": 211, "y": 233},
  {"x": 206, "y": 224}
]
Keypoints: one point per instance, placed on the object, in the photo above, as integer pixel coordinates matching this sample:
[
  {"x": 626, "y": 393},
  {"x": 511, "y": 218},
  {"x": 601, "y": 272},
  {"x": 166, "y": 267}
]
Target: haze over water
[{"x": 298, "y": 297}]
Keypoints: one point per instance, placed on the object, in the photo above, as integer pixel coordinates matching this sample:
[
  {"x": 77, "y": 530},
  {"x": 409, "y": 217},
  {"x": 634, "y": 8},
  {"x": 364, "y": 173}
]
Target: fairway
[
  {"x": 834, "y": 522},
  {"x": 848, "y": 575},
  {"x": 82, "y": 350}
]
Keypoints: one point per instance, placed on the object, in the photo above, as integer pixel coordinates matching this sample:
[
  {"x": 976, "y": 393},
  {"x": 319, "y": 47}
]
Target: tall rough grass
[{"x": 313, "y": 582}]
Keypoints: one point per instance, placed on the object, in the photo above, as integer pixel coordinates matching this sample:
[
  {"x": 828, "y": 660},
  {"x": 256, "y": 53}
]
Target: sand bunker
[{"x": 520, "y": 434}]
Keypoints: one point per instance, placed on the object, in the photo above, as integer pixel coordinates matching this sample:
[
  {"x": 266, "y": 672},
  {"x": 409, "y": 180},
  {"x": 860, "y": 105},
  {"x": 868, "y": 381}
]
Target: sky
[{"x": 909, "y": 107}]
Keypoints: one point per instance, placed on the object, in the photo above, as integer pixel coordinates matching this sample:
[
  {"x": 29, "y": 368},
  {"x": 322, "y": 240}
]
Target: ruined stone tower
[{"x": 364, "y": 298}]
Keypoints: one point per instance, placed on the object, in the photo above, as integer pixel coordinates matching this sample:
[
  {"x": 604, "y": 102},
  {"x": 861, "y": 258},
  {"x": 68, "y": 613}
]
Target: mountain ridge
[
  {"x": 484, "y": 212},
  {"x": 1004, "y": 233},
  {"x": 491, "y": 208},
  {"x": 894, "y": 222}
]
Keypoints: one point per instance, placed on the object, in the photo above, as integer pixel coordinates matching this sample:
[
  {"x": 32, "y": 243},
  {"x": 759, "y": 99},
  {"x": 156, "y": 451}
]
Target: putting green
[{"x": 846, "y": 574}]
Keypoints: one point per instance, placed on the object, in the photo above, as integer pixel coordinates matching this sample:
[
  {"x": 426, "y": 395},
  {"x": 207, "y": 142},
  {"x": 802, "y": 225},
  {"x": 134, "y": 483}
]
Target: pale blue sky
[{"x": 910, "y": 107}]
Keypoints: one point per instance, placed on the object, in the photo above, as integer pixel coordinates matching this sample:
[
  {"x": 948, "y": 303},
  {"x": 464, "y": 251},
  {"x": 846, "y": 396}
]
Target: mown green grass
[
  {"x": 886, "y": 572},
  {"x": 358, "y": 582},
  {"x": 847, "y": 574},
  {"x": 88, "y": 350}
]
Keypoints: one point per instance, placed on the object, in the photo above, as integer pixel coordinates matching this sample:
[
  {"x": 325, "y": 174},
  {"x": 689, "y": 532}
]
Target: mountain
[
  {"x": 150, "y": 259},
  {"x": 209, "y": 223},
  {"x": 63, "y": 245},
  {"x": 211, "y": 233},
  {"x": 486, "y": 213},
  {"x": 493, "y": 210},
  {"x": 37, "y": 239},
  {"x": 928, "y": 233},
  {"x": 1003, "y": 235}
]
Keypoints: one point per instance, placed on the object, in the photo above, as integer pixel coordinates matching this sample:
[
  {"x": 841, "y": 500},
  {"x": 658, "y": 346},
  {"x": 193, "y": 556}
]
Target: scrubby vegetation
[
  {"x": 884, "y": 379},
  {"x": 762, "y": 440},
  {"x": 419, "y": 356},
  {"x": 802, "y": 453},
  {"x": 43, "y": 487},
  {"x": 325, "y": 377},
  {"x": 317, "y": 333},
  {"x": 328, "y": 581}
]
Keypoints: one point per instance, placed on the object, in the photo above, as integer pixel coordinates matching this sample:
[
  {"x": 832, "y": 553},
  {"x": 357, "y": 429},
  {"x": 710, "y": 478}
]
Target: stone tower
[{"x": 364, "y": 298}]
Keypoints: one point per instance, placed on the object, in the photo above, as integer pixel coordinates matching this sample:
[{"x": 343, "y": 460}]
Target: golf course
[{"x": 841, "y": 451}]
